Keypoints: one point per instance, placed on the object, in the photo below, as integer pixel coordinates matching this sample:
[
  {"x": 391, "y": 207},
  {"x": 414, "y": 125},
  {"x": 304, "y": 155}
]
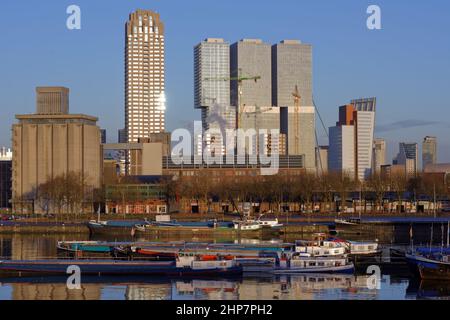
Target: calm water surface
[{"x": 396, "y": 284}]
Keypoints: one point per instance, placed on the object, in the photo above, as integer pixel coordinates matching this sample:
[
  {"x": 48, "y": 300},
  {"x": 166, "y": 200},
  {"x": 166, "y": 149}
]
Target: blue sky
[{"x": 406, "y": 65}]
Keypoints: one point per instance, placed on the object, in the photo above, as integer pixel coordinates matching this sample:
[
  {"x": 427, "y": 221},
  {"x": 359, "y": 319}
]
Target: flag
[{"x": 410, "y": 232}]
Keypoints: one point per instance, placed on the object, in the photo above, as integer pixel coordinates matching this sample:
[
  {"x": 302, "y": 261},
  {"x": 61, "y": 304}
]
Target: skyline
[{"x": 62, "y": 57}]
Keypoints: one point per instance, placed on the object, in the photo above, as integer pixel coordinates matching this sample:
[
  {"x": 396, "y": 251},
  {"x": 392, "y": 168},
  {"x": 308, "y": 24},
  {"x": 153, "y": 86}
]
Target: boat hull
[
  {"x": 112, "y": 268},
  {"x": 346, "y": 269}
]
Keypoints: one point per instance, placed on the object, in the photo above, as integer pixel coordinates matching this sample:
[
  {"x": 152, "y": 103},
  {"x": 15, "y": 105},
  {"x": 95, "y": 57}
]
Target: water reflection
[
  {"x": 300, "y": 287},
  {"x": 286, "y": 288}
]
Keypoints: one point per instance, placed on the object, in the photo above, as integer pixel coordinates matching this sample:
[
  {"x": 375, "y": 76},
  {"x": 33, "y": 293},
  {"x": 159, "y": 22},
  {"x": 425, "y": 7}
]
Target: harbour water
[{"x": 395, "y": 284}]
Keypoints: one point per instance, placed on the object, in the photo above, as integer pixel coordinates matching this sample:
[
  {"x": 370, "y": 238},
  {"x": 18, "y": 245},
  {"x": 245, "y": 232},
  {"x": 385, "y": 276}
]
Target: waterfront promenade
[{"x": 293, "y": 222}]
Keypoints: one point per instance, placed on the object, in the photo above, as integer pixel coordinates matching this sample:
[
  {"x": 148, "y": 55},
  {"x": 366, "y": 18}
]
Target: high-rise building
[
  {"x": 251, "y": 58},
  {"x": 379, "y": 155},
  {"x": 298, "y": 124},
  {"x": 341, "y": 154},
  {"x": 291, "y": 68},
  {"x": 51, "y": 145},
  {"x": 364, "y": 120},
  {"x": 408, "y": 156},
  {"x": 144, "y": 75},
  {"x": 341, "y": 151},
  {"x": 292, "y": 91},
  {"x": 52, "y": 100},
  {"x": 212, "y": 91},
  {"x": 358, "y": 116},
  {"x": 429, "y": 151},
  {"x": 211, "y": 71}
]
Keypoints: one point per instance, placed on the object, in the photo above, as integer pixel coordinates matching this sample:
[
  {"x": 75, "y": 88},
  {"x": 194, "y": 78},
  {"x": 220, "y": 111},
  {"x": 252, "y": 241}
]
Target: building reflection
[
  {"x": 159, "y": 291},
  {"x": 54, "y": 291}
]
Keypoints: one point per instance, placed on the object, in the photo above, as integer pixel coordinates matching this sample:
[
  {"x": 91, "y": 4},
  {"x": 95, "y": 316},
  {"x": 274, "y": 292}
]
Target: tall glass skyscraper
[
  {"x": 144, "y": 75},
  {"x": 212, "y": 90}
]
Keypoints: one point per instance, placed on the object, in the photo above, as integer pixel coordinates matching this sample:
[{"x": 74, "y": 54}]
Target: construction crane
[
  {"x": 297, "y": 100},
  {"x": 240, "y": 79}
]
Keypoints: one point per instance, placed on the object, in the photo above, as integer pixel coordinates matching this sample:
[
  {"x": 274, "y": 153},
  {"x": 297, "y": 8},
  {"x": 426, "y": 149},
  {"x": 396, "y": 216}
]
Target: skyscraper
[
  {"x": 211, "y": 71},
  {"x": 292, "y": 90},
  {"x": 291, "y": 68},
  {"x": 144, "y": 75},
  {"x": 341, "y": 153},
  {"x": 364, "y": 132},
  {"x": 379, "y": 155},
  {"x": 251, "y": 57},
  {"x": 429, "y": 151},
  {"x": 359, "y": 117}
]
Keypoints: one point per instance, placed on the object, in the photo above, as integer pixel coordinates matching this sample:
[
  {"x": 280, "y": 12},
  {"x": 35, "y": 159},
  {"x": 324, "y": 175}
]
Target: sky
[{"x": 406, "y": 64}]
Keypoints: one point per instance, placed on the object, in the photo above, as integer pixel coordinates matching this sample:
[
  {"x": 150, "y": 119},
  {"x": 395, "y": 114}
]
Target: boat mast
[{"x": 448, "y": 233}]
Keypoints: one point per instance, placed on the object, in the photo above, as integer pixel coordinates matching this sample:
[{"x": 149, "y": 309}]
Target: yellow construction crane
[
  {"x": 297, "y": 99},
  {"x": 240, "y": 79}
]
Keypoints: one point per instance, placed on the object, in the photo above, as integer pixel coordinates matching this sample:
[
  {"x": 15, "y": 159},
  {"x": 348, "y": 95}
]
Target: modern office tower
[
  {"x": 379, "y": 155},
  {"x": 341, "y": 154},
  {"x": 364, "y": 120},
  {"x": 341, "y": 151},
  {"x": 251, "y": 58},
  {"x": 211, "y": 73},
  {"x": 212, "y": 91},
  {"x": 52, "y": 145},
  {"x": 5, "y": 177},
  {"x": 429, "y": 151},
  {"x": 52, "y": 100},
  {"x": 322, "y": 159},
  {"x": 144, "y": 75},
  {"x": 256, "y": 124},
  {"x": 408, "y": 156},
  {"x": 291, "y": 68},
  {"x": 298, "y": 124},
  {"x": 292, "y": 91}
]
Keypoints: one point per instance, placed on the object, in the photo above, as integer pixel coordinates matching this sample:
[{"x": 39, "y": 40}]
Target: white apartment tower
[
  {"x": 144, "y": 75},
  {"x": 364, "y": 134}
]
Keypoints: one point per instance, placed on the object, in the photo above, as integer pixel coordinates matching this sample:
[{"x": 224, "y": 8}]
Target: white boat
[
  {"x": 267, "y": 222},
  {"x": 359, "y": 248},
  {"x": 348, "y": 222},
  {"x": 319, "y": 251},
  {"x": 300, "y": 264},
  {"x": 247, "y": 226}
]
